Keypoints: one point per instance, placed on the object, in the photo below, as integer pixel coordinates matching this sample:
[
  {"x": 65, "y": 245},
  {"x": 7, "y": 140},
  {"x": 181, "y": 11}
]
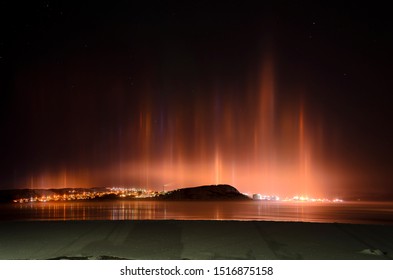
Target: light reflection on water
[{"x": 347, "y": 212}]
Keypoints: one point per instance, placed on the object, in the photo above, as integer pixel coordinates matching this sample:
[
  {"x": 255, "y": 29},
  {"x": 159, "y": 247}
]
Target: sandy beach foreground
[{"x": 193, "y": 240}]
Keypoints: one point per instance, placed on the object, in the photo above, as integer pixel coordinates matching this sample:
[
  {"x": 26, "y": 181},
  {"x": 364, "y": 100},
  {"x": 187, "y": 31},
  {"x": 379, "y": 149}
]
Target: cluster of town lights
[
  {"x": 87, "y": 195},
  {"x": 296, "y": 198}
]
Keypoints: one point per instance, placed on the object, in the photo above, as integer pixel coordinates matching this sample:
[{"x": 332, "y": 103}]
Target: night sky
[{"x": 286, "y": 98}]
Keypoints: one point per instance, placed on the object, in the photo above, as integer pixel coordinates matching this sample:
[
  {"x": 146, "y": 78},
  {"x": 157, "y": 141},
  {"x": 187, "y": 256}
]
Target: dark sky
[{"x": 106, "y": 93}]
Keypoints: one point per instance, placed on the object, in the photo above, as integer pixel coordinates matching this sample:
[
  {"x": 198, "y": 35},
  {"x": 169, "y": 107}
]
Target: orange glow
[
  {"x": 259, "y": 144},
  {"x": 60, "y": 179}
]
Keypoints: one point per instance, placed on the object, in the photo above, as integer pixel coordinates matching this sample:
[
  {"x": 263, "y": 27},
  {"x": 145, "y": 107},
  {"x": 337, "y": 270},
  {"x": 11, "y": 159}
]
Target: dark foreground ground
[{"x": 193, "y": 240}]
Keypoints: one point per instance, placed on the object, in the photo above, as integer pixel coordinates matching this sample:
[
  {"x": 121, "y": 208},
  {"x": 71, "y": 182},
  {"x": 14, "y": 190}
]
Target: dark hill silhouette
[{"x": 210, "y": 192}]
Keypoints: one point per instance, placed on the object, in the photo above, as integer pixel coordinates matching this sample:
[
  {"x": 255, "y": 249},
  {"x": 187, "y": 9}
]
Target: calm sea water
[{"x": 346, "y": 212}]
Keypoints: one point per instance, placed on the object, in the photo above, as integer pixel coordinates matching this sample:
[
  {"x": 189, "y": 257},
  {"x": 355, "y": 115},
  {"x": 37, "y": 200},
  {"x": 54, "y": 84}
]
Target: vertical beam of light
[
  {"x": 302, "y": 152},
  {"x": 266, "y": 123},
  {"x": 65, "y": 177},
  {"x": 147, "y": 139},
  {"x": 217, "y": 166}
]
